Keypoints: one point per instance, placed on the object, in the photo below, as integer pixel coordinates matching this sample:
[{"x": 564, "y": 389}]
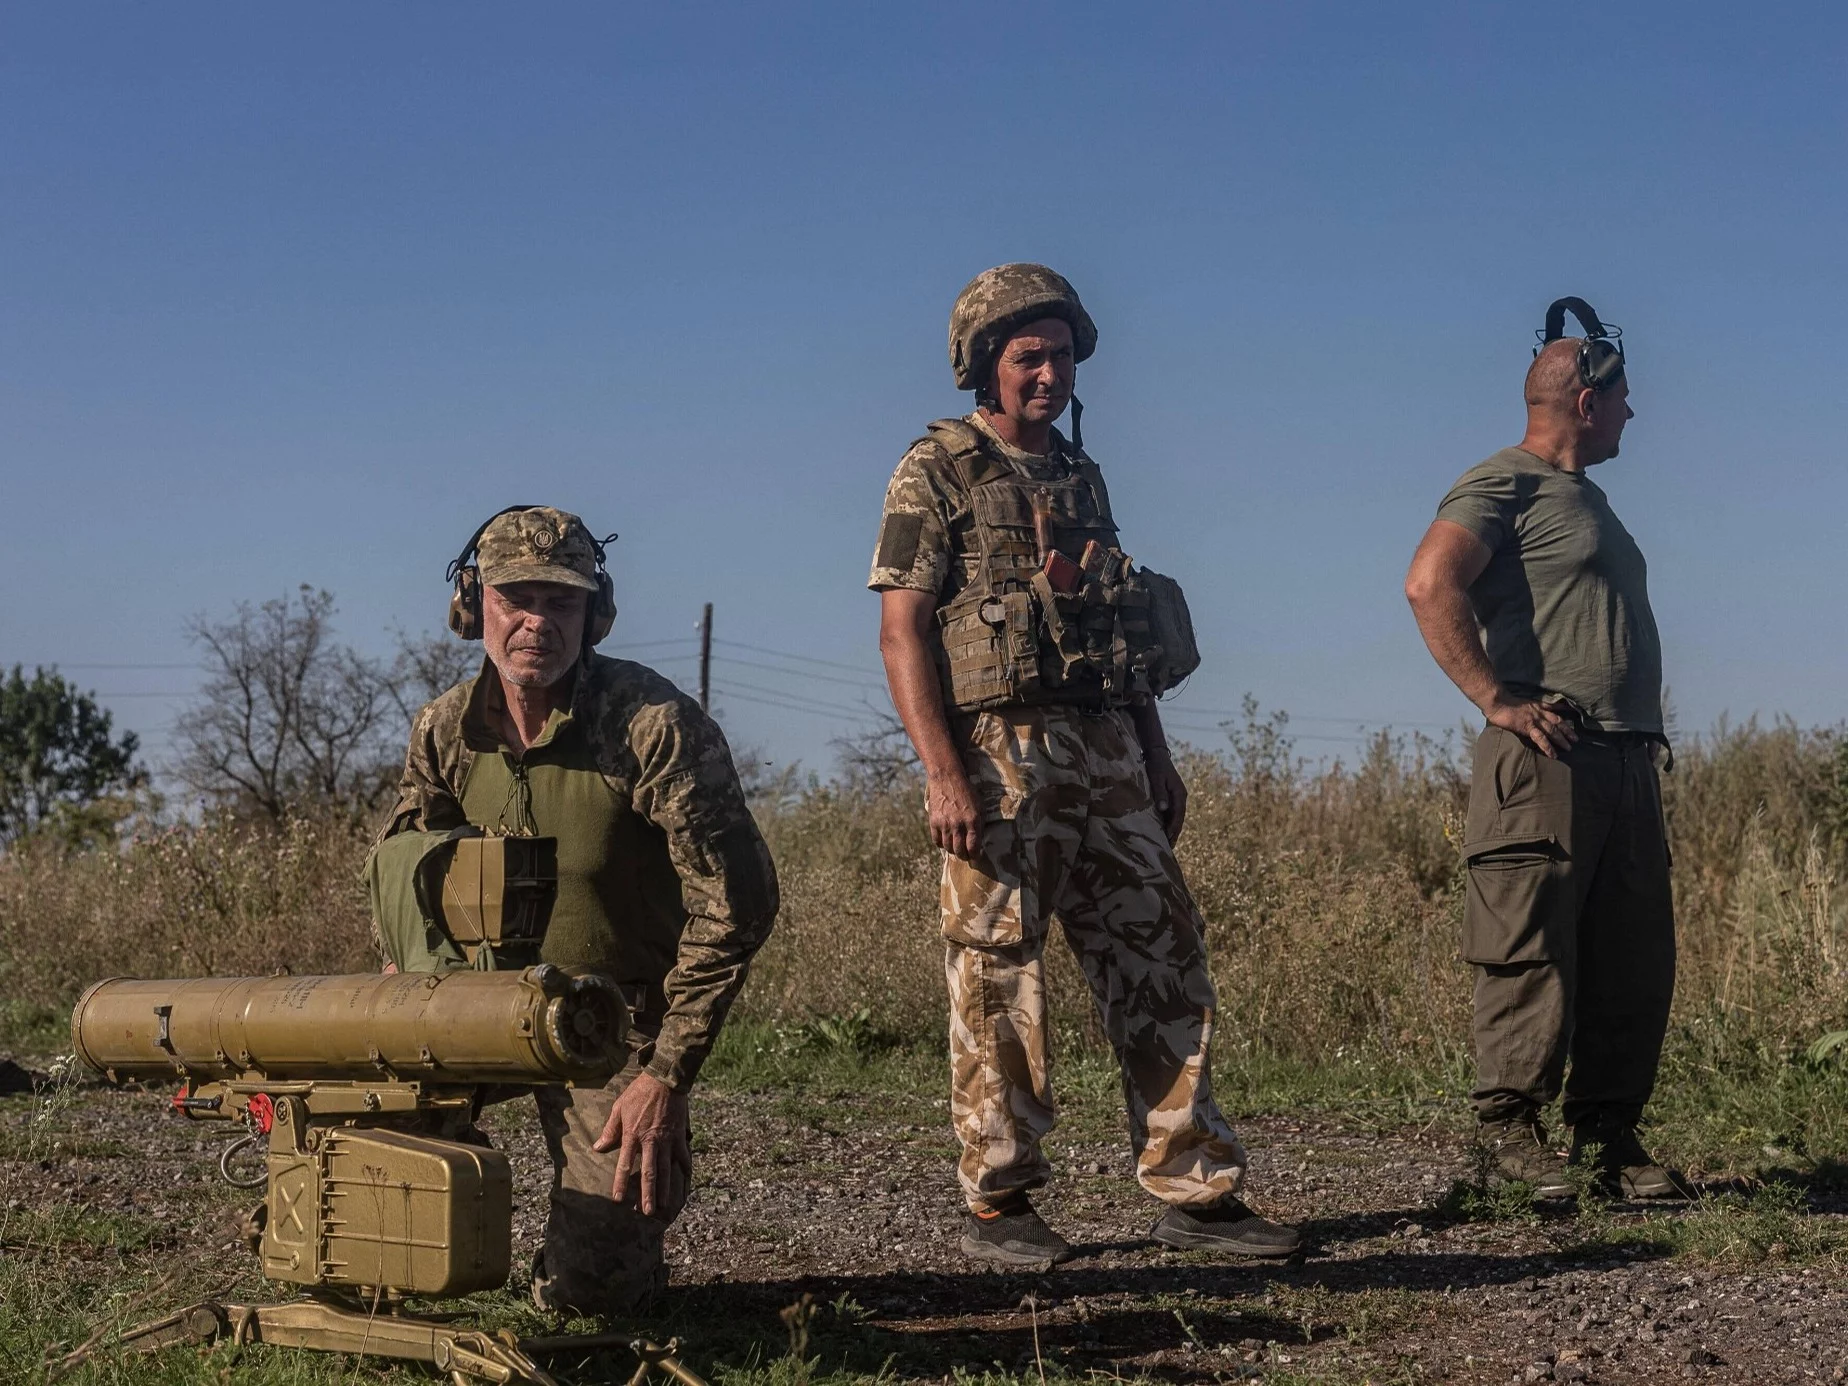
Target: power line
[
  {"x": 59, "y": 664},
  {"x": 194, "y": 664},
  {"x": 804, "y": 659},
  {"x": 867, "y": 673},
  {"x": 860, "y": 716},
  {"x": 1178, "y": 710},
  {"x": 818, "y": 703},
  {"x": 803, "y": 673}
]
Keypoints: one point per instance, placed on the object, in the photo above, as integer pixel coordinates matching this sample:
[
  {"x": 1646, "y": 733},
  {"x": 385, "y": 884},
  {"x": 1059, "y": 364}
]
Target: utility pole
[{"x": 705, "y": 660}]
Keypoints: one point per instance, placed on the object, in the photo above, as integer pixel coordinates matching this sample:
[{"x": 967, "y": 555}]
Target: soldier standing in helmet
[{"x": 1025, "y": 652}]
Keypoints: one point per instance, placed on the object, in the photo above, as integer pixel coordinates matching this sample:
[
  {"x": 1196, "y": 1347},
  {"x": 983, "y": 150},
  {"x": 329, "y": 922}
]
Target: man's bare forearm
[
  {"x": 1448, "y": 625},
  {"x": 1448, "y": 562},
  {"x": 1149, "y": 732},
  {"x": 911, "y": 673}
]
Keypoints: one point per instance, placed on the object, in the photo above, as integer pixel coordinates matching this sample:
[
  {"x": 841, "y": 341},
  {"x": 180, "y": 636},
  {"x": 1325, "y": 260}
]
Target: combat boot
[
  {"x": 1622, "y": 1168},
  {"x": 1518, "y": 1152},
  {"x": 1226, "y": 1226},
  {"x": 1009, "y": 1232}
]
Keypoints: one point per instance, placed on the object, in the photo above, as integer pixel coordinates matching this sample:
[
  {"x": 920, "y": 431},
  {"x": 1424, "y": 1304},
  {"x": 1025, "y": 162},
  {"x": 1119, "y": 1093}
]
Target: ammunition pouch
[{"x": 462, "y": 898}]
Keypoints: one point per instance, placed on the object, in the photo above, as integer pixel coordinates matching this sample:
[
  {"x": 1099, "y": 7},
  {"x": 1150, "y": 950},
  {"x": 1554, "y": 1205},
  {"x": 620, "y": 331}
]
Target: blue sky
[{"x": 301, "y": 295}]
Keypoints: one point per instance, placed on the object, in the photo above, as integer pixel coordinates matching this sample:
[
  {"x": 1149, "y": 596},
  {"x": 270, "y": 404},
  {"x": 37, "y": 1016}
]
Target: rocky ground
[{"x": 832, "y": 1220}]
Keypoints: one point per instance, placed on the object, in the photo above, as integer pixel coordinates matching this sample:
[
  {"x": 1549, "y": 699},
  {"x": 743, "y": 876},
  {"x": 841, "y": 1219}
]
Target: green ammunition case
[{"x": 351, "y": 1206}]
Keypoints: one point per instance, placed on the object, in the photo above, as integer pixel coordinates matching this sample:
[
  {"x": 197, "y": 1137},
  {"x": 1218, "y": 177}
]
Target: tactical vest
[{"x": 1011, "y": 636}]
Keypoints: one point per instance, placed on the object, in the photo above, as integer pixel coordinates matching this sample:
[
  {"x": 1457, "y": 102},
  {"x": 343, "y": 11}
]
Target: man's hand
[
  {"x": 955, "y": 817},
  {"x": 1532, "y": 721},
  {"x": 1169, "y": 792},
  {"x": 649, "y": 1122},
  {"x": 906, "y": 622}
]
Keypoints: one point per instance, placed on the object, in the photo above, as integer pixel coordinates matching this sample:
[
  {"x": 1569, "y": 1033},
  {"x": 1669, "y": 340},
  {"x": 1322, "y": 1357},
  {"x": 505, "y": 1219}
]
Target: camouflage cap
[
  {"x": 537, "y": 545},
  {"x": 997, "y": 302}
]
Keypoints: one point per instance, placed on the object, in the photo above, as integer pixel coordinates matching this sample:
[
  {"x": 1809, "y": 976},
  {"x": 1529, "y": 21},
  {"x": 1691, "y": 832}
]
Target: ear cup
[
  {"x": 465, "y": 604},
  {"x": 1600, "y": 363},
  {"x": 1600, "y": 355},
  {"x": 601, "y": 614}
]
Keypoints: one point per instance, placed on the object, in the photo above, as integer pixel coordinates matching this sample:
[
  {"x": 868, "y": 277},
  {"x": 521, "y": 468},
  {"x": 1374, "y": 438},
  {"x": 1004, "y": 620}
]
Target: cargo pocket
[
  {"x": 1521, "y": 902},
  {"x": 985, "y": 898}
]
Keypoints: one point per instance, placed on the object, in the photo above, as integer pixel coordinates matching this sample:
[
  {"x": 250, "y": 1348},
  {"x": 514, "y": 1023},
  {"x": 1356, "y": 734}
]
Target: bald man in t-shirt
[{"x": 1533, "y": 598}]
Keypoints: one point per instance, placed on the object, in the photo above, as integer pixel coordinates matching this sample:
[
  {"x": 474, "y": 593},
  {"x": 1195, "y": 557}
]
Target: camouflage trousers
[
  {"x": 599, "y": 1256},
  {"x": 1068, "y": 829}
]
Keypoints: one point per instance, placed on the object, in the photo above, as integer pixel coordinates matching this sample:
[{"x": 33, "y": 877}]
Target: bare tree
[
  {"x": 426, "y": 666},
  {"x": 880, "y": 759},
  {"x": 287, "y": 718}
]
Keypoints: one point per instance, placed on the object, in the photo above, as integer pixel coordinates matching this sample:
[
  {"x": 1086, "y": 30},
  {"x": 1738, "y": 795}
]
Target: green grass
[
  {"x": 71, "y": 1227},
  {"x": 1769, "y": 1225},
  {"x": 28, "y": 1027}
]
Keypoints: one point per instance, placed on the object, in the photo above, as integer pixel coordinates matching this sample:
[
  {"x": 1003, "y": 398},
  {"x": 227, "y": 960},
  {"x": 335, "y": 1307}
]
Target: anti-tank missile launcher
[{"x": 362, "y": 1086}]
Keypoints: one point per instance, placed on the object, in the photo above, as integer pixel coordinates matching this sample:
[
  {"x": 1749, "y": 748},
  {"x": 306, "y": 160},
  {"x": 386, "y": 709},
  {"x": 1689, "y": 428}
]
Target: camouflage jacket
[{"x": 681, "y": 890}]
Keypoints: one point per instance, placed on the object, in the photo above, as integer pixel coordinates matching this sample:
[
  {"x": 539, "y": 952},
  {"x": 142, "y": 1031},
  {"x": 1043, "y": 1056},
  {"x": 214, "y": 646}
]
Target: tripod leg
[
  {"x": 205, "y": 1322},
  {"x": 468, "y": 1356},
  {"x": 474, "y": 1355}
]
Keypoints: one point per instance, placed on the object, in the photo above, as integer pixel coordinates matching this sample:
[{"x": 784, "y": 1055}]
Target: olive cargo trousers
[
  {"x": 1068, "y": 829},
  {"x": 1570, "y": 924}
]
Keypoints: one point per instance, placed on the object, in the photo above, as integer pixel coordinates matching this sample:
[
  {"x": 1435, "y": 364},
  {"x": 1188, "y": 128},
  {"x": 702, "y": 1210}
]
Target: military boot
[
  {"x": 1227, "y": 1226},
  {"x": 1518, "y": 1151},
  {"x": 1622, "y": 1168},
  {"x": 1010, "y": 1233}
]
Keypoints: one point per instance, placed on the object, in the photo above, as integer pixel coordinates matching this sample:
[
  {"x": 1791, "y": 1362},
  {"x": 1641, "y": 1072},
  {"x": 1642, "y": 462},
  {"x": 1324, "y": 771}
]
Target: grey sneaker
[
  {"x": 1518, "y": 1151},
  {"x": 1623, "y": 1168},
  {"x": 1013, "y": 1235},
  {"x": 1225, "y": 1226}
]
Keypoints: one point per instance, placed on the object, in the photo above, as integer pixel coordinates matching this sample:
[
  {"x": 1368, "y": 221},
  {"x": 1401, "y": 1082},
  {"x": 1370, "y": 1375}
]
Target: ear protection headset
[
  {"x": 1600, "y": 355},
  {"x": 465, "y": 599}
]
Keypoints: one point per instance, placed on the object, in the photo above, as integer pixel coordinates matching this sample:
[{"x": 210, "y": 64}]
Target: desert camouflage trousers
[{"x": 1069, "y": 830}]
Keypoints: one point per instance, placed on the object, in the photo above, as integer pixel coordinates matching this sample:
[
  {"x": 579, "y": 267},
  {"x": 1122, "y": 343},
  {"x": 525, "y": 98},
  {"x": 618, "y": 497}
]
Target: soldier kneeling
[{"x": 663, "y": 882}]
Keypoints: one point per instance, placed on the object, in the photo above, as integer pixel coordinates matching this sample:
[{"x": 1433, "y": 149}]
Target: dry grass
[
  {"x": 227, "y": 897},
  {"x": 1331, "y": 891}
]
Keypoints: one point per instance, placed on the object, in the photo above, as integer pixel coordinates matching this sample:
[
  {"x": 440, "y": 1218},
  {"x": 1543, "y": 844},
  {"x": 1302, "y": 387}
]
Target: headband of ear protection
[
  {"x": 465, "y": 598},
  {"x": 1600, "y": 355}
]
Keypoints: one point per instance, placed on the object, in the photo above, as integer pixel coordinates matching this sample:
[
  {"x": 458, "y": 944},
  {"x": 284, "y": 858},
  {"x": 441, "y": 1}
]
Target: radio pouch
[{"x": 1171, "y": 627}]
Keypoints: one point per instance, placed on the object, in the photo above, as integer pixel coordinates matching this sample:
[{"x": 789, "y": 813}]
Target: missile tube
[{"x": 540, "y": 1025}]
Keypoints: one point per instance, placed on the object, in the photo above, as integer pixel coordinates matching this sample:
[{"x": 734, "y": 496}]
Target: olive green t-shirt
[{"x": 1563, "y": 605}]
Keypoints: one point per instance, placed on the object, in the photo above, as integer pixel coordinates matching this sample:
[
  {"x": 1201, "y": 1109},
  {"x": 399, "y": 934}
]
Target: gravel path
[{"x": 851, "y": 1200}]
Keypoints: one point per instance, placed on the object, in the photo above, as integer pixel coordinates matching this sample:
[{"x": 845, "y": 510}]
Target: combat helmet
[{"x": 997, "y": 302}]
